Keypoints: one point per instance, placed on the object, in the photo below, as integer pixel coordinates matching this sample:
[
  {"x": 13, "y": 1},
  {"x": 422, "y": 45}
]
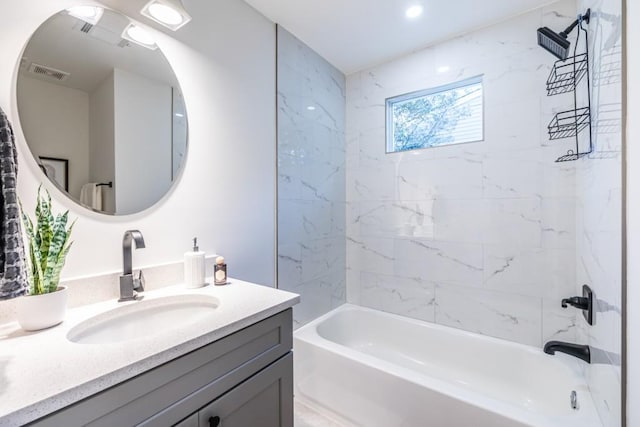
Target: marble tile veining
[
  {"x": 311, "y": 179},
  {"x": 480, "y": 236},
  {"x": 599, "y": 209},
  {"x": 485, "y": 236}
]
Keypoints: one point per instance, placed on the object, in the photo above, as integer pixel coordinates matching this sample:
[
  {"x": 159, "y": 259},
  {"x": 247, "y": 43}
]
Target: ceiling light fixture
[
  {"x": 139, "y": 36},
  {"x": 311, "y": 108},
  {"x": 169, "y": 13},
  {"x": 414, "y": 11},
  {"x": 443, "y": 69},
  {"x": 90, "y": 14}
]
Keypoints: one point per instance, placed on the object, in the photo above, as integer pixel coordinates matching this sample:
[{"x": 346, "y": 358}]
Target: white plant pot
[{"x": 37, "y": 312}]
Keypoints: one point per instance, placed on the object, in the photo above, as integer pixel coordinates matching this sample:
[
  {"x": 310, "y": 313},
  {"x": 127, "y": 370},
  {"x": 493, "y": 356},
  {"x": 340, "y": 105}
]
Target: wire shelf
[
  {"x": 566, "y": 74},
  {"x": 568, "y": 123},
  {"x": 564, "y": 78}
]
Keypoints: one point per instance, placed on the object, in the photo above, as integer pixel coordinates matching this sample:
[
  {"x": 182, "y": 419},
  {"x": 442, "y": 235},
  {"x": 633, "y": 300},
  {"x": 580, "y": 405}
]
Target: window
[{"x": 451, "y": 114}]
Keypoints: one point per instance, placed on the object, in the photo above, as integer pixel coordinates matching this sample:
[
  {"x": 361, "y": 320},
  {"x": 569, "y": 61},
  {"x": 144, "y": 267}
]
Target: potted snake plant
[{"x": 48, "y": 246}]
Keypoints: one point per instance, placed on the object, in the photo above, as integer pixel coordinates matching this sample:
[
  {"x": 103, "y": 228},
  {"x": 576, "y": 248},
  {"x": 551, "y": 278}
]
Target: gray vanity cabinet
[
  {"x": 244, "y": 380},
  {"x": 191, "y": 421},
  {"x": 260, "y": 401}
]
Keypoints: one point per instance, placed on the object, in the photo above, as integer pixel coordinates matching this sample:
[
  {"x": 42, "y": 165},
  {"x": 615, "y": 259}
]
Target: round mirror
[{"x": 102, "y": 110}]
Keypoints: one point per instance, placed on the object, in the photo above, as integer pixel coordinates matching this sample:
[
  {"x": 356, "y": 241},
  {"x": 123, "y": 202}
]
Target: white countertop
[{"x": 41, "y": 372}]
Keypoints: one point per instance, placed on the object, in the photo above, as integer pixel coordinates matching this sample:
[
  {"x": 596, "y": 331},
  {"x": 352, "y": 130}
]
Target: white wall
[
  {"x": 478, "y": 236},
  {"x": 101, "y": 142},
  {"x": 142, "y": 141},
  {"x": 225, "y": 62},
  {"x": 56, "y": 121},
  {"x": 633, "y": 213}
]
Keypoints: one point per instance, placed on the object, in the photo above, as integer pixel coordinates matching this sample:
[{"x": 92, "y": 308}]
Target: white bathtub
[{"x": 370, "y": 368}]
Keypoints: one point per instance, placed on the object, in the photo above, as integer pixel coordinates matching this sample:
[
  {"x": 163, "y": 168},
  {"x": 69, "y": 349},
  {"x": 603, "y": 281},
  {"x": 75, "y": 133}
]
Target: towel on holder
[
  {"x": 13, "y": 275},
  {"x": 91, "y": 195}
]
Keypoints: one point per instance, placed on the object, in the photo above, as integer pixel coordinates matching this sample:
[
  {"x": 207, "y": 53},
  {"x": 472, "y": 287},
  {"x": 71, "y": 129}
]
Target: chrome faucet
[{"x": 128, "y": 284}]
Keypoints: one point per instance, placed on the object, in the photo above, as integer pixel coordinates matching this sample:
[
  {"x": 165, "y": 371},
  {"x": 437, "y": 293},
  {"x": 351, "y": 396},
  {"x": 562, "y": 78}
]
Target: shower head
[{"x": 555, "y": 43}]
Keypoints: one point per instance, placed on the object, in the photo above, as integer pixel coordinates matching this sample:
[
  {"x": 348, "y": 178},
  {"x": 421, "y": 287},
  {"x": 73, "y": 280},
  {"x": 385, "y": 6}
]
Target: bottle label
[{"x": 220, "y": 276}]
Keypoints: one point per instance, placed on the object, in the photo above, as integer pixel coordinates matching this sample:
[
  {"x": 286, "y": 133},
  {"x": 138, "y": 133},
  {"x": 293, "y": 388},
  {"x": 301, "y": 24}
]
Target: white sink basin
[{"x": 145, "y": 318}]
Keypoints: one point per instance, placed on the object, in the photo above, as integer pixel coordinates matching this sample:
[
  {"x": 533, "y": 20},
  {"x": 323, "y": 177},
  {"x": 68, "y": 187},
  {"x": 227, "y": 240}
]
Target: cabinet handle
[{"x": 214, "y": 421}]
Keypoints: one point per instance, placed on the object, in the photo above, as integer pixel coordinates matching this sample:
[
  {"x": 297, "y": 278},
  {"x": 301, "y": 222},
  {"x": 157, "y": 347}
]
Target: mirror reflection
[{"x": 102, "y": 110}]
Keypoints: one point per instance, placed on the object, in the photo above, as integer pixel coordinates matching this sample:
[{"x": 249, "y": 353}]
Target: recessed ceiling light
[
  {"x": 139, "y": 36},
  {"x": 90, "y": 14},
  {"x": 414, "y": 11},
  {"x": 311, "y": 108},
  {"x": 443, "y": 69},
  {"x": 169, "y": 13},
  {"x": 165, "y": 14}
]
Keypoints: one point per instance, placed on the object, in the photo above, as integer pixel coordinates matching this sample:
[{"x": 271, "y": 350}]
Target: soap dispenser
[{"x": 194, "y": 267}]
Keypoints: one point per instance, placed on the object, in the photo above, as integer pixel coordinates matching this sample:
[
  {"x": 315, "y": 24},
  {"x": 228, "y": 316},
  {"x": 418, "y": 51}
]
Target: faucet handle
[
  {"x": 138, "y": 282},
  {"x": 584, "y": 303},
  {"x": 578, "y": 302}
]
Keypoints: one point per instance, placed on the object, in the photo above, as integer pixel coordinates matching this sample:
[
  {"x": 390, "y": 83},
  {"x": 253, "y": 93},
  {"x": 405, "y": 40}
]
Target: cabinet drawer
[
  {"x": 171, "y": 392},
  {"x": 191, "y": 421},
  {"x": 264, "y": 400}
]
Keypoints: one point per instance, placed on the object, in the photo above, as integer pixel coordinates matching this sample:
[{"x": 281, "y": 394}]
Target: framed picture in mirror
[{"x": 57, "y": 170}]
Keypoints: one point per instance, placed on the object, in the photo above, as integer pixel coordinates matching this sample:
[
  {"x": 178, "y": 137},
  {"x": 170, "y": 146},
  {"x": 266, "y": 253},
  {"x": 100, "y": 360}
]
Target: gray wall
[{"x": 311, "y": 178}]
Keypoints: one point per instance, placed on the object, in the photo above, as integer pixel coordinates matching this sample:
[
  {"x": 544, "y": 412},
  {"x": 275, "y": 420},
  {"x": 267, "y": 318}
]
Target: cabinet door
[
  {"x": 191, "y": 421},
  {"x": 264, "y": 400}
]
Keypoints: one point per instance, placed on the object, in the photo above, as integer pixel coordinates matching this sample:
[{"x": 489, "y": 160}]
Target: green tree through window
[{"x": 441, "y": 116}]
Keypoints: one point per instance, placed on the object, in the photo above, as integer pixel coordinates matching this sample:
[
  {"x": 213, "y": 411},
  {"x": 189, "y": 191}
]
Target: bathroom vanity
[{"x": 232, "y": 367}]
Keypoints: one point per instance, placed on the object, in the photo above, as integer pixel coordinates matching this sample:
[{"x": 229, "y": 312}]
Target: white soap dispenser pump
[{"x": 194, "y": 267}]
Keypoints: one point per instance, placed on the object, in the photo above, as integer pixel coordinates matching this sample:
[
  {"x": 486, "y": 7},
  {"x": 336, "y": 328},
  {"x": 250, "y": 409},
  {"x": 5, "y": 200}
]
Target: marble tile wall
[
  {"x": 311, "y": 179},
  {"x": 599, "y": 205},
  {"x": 478, "y": 236}
]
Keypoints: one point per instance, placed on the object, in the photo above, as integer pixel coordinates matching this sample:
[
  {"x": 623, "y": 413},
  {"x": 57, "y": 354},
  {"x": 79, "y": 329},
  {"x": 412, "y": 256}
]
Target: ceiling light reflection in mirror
[
  {"x": 169, "y": 13},
  {"x": 90, "y": 14},
  {"x": 137, "y": 35}
]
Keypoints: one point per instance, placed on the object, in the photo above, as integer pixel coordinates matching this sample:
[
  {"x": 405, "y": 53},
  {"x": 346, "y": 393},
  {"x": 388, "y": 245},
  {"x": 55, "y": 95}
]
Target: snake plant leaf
[
  {"x": 32, "y": 273},
  {"x": 55, "y": 273},
  {"x": 44, "y": 227},
  {"x": 35, "y": 272},
  {"x": 49, "y": 245},
  {"x": 59, "y": 262},
  {"x": 56, "y": 246}
]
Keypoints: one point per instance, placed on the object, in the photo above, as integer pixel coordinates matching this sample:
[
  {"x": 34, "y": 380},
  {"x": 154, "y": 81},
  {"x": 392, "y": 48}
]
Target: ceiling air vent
[{"x": 48, "y": 72}]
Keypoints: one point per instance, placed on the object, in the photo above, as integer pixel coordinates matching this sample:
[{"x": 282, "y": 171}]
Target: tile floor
[{"x": 305, "y": 416}]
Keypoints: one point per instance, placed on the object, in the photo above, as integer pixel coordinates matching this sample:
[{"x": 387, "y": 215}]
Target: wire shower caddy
[{"x": 564, "y": 78}]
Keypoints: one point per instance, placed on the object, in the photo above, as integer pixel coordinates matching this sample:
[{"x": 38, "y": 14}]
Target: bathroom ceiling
[
  {"x": 90, "y": 56},
  {"x": 357, "y": 34}
]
